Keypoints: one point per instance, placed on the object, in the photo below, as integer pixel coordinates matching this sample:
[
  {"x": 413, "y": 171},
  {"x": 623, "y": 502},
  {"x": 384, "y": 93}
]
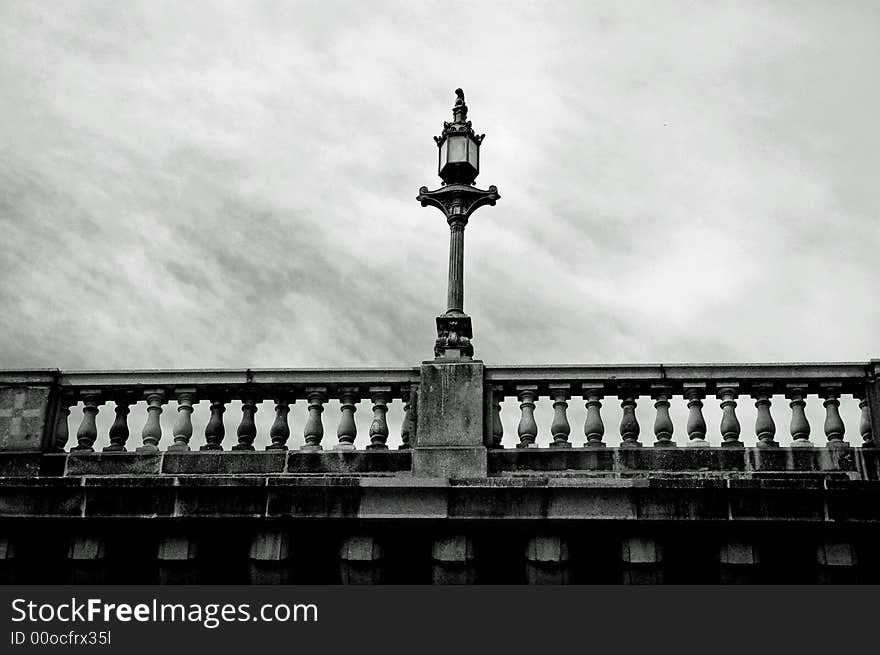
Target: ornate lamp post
[{"x": 458, "y": 198}]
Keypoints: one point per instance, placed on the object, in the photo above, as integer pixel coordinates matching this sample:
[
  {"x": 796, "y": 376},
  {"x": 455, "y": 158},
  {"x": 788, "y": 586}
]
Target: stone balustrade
[
  {"x": 692, "y": 386},
  {"x": 49, "y": 398}
]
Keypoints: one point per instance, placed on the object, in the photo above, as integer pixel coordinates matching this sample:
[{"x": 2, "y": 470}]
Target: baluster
[
  {"x": 497, "y": 425},
  {"x": 313, "y": 431},
  {"x": 379, "y": 427},
  {"x": 663, "y": 427},
  {"x": 865, "y": 428},
  {"x": 560, "y": 428},
  {"x": 407, "y": 427},
  {"x": 629, "y": 424},
  {"x": 594, "y": 429},
  {"x": 800, "y": 427},
  {"x": 247, "y": 428},
  {"x": 88, "y": 430},
  {"x": 346, "y": 432},
  {"x": 62, "y": 428},
  {"x": 694, "y": 392},
  {"x": 730, "y": 427},
  {"x": 834, "y": 427},
  {"x": 279, "y": 433},
  {"x": 765, "y": 428},
  {"x": 215, "y": 431},
  {"x": 183, "y": 427},
  {"x": 119, "y": 429},
  {"x": 152, "y": 432},
  {"x": 527, "y": 429}
]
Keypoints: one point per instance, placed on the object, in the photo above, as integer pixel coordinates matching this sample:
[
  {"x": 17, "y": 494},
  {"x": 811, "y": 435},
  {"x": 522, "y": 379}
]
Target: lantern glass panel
[
  {"x": 474, "y": 155},
  {"x": 443, "y": 151},
  {"x": 457, "y": 149}
]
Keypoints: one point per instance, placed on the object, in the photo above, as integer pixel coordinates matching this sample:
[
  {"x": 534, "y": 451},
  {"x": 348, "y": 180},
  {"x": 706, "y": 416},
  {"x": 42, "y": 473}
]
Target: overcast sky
[{"x": 233, "y": 184}]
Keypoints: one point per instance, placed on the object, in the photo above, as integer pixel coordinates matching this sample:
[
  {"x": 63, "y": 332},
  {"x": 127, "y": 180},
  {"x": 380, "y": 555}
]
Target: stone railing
[
  {"x": 693, "y": 384},
  {"x": 37, "y": 408},
  {"x": 460, "y": 408}
]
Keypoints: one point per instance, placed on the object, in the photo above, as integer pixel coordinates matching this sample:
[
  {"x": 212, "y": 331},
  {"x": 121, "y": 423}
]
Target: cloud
[{"x": 235, "y": 186}]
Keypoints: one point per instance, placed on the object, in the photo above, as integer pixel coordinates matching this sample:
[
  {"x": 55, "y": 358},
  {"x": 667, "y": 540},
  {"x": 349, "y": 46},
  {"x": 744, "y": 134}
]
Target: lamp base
[{"x": 454, "y": 334}]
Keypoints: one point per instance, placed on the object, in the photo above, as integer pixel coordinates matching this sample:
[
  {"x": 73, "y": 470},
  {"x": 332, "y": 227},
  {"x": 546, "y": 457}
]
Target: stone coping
[
  {"x": 855, "y": 463},
  {"x": 862, "y": 462},
  {"x": 829, "y": 498}
]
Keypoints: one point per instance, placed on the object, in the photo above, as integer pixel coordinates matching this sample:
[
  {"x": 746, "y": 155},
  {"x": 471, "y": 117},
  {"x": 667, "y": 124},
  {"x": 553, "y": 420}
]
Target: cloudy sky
[{"x": 233, "y": 184}]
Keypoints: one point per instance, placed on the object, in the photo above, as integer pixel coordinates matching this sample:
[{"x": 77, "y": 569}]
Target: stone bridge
[{"x": 458, "y": 473}]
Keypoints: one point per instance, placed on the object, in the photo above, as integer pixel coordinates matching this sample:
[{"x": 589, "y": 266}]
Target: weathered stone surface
[
  {"x": 176, "y": 548},
  {"x": 129, "y": 496},
  {"x": 449, "y": 462},
  {"x": 640, "y": 549},
  {"x": 397, "y": 502},
  {"x": 86, "y": 547},
  {"x": 738, "y": 553},
  {"x": 375, "y": 461},
  {"x": 451, "y": 404},
  {"x": 20, "y": 464},
  {"x": 219, "y": 462},
  {"x": 221, "y": 496},
  {"x": 270, "y": 545},
  {"x": 86, "y": 463},
  {"x": 360, "y": 548},
  {"x": 24, "y": 411},
  {"x": 453, "y": 548},
  {"x": 320, "y": 498}
]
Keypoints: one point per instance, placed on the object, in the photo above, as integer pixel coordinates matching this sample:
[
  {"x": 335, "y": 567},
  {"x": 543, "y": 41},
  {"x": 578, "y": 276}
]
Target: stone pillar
[
  {"x": 360, "y": 560},
  {"x": 450, "y": 432},
  {"x": 454, "y": 560},
  {"x": 642, "y": 559},
  {"x": 837, "y": 561},
  {"x": 27, "y": 414},
  {"x": 177, "y": 560},
  {"x": 87, "y": 555},
  {"x": 738, "y": 562},
  {"x": 270, "y": 557},
  {"x": 547, "y": 560}
]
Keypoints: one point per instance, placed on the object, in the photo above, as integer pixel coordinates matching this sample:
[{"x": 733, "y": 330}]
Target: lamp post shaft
[{"x": 455, "y": 296}]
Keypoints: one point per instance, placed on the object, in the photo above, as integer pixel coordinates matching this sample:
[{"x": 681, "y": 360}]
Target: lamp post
[{"x": 458, "y": 166}]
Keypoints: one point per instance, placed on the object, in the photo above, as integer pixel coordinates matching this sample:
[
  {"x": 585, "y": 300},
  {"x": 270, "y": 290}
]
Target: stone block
[
  {"x": 24, "y": 412},
  {"x": 237, "y": 496},
  {"x": 834, "y": 553},
  {"x": 269, "y": 573},
  {"x": 615, "y": 503},
  {"x": 641, "y": 550},
  {"x": 547, "y": 548},
  {"x": 547, "y": 573},
  {"x": 402, "y": 502},
  {"x": 318, "y": 497},
  {"x": 453, "y": 573},
  {"x": 738, "y": 553},
  {"x": 85, "y": 463},
  {"x": 25, "y": 464},
  {"x": 7, "y": 547},
  {"x": 453, "y": 462},
  {"x": 270, "y": 545},
  {"x": 86, "y": 547},
  {"x": 176, "y": 548},
  {"x": 223, "y": 462},
  {"x": 360, "y": 548},
  {"x": 145, "y": 497},
  {"x": 450, "y": 404},
  {"x": 453, "y": 548},
  {"x": 375, "y": 461}
]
